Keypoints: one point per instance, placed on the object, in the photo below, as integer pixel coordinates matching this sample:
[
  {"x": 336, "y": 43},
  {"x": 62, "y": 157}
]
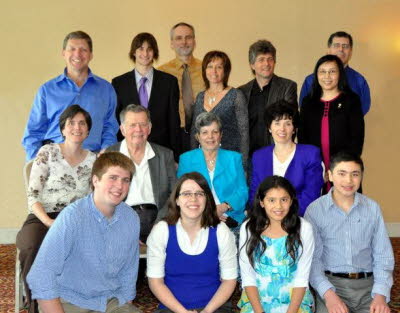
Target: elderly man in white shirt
[{"x": 155, "y": 174}]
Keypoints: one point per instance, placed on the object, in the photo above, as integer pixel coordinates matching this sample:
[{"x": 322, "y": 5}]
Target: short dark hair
[
  {"x": 206, "y": 119},
  {"x": 316, "y": 90},
  {"x": 340, "y": 34},
  {"x": 226, "y": 63},
  {"x": 261, "y": 47},
  {"x": 209, "y": 217},
  {"x": 110, "y": 159},
  {"x": 138, "y": 41},
  {"x": 282, "y": 110},
  {"x": 345, "y": 156},
  {"x": 70, "y": 112},
  {"x": 135, "y": 108},
  {"x": 78, "y": 35},
  {"x": 171, "y": 33}
]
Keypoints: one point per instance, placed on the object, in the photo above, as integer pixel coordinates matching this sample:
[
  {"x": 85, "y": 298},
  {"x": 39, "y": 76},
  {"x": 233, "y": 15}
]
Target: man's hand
[
  {"x": 379, "y": 305},
  {"x": 333, "y": 303}
]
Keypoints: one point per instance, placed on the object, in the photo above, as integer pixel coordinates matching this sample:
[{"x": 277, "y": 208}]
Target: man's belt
[{"x": 350, "y": 275}]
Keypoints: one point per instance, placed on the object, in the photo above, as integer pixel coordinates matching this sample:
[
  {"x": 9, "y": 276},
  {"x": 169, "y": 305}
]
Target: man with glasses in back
[{"x": 341, "y": 45}]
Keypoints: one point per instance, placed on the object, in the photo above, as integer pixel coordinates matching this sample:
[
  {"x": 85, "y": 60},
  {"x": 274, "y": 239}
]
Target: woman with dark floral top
[{"x": 60, "y": 175}]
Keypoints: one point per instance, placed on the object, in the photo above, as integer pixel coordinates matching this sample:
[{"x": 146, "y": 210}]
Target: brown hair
[
  {"x": 70, "y": 112},
  {"x": 209, "y": 217},
  {"x": 226, "y": 63},
  {"x": 139, "y": 40},
  {"x": 78, "y": 35},
  {"x": 109, "y": 159}
]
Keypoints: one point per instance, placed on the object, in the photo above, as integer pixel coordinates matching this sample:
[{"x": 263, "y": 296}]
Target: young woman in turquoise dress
[{"x": 276, "y": 247}]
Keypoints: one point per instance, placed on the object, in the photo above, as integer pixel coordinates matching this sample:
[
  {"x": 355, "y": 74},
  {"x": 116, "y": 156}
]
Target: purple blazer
[{"x": 304, "y": 172}]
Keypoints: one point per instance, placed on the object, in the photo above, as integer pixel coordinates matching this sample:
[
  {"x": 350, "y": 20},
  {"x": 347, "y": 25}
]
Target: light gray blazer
[{"x": 162, "y": 175}]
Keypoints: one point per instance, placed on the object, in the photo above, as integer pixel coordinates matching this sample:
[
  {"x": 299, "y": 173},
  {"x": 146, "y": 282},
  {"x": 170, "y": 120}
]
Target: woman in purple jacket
[{"x": 300, "y": 164}]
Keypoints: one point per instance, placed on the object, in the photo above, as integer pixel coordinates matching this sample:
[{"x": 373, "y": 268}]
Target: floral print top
[{"x": 54, "y": 182}]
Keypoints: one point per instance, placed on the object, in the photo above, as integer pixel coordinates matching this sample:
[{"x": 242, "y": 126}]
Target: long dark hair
[
  {"x": 209, "y": 217},
  {"x": 316, "y": 90},
  {"x": 258, "y": 221}
]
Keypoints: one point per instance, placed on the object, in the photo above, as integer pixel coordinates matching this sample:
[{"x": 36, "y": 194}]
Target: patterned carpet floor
[{"x": 144, "y": 300}]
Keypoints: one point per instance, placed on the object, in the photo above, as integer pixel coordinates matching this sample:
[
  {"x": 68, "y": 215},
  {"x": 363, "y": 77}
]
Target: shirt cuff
[
  {"x": 323, "y": 287},
  {"x": 45, "y": 295},
  {"x": 381, "y": 290}
]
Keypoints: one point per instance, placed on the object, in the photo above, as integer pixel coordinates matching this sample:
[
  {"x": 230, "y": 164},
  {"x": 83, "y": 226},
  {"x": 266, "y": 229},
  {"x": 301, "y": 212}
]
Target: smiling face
[
  {"x": 77, "y": 55},
  {"x": 341, "y": 47},
  {"x": 328, "y": 76},
  {"x": 76, "y": 129},
  {"x": 111, "y": 189},
  {"x": 346, "y": 178},
  {"x": 144, "y": 55},
  {"x": 215, "y": 71},
  {"x": 276, "y": 204},
  {"x": 191, "y": 201},
  {"x": 282, "y": 130},
  {"x": 209, "y": 137},
  {"x": 136, "y": 128},
  {"x": 183, "y": 41},
  {"x": 264, "y": 66}
]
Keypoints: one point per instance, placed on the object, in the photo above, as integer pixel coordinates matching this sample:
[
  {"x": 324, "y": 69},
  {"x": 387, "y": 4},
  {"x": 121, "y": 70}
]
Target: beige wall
[{"x": 32, "y": 34}]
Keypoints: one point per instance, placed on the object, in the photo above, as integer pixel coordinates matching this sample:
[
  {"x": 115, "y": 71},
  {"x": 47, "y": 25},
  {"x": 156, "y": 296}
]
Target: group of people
[{"x": 177, "y": 183}]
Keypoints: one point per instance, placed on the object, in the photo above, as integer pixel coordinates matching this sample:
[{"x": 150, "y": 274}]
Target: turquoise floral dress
[{"x": 275, "y": 273}]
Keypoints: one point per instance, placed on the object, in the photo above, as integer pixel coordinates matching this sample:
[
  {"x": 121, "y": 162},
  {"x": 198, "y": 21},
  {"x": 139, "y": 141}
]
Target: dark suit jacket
[
  {"x": 280, "y": 88},
  {"x": 304, "y": 172},
  {"x": 163, "y": 106},
  {"x": 162, "y": 175},
  {"x": 346, "y": 123}
]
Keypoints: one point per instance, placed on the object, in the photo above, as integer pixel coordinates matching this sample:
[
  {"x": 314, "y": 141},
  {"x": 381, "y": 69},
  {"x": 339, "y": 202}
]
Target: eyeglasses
[
  {"x": 343, "y": 45},
  {"x": 330, "y": 72},
  {"x": 141, "y": 125},
  {"x": 188, "y": 194}
]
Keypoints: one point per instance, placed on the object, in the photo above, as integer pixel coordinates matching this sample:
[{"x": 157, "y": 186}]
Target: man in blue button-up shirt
[
  {"x": 341, "y": 45},
  {"x": 89, "y": 257},
  {"x": 353, "y": 257},
  {"x": 77, "y": 85}
]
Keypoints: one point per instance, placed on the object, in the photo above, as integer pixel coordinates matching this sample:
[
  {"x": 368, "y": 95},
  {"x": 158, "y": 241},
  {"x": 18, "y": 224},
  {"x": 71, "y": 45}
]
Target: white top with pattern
[{"x": 54, "y": 182}]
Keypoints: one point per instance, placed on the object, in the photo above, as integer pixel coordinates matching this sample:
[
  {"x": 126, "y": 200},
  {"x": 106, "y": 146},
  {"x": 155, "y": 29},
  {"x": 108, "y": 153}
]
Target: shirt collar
[
  {"x": 332, "y": 204},
  {"x": 148, "y": 152},
  {"x": 149, "y": 75},
  {"x": 100, "y": 217},
  {"x": 64, "y": 76},
  {"x": 179, "y": 64}
]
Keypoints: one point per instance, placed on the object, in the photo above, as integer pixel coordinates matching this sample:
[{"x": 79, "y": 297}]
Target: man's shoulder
[
  {"x": 319, "y": 206},
  {"x": 123, "y": 77},
  {"x": 101, "y": 80},
  {"x": 164, "y": 76},
  {"x": 161, "y": 150},
  {"x": 279, "y": 82},
  {"x": 247, "y": 86}
]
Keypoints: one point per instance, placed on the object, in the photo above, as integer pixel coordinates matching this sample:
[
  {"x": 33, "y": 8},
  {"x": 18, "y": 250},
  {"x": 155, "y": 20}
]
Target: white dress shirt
[
  {"x": 158, "y": 240},
  {"x": 141, "y": 189}
]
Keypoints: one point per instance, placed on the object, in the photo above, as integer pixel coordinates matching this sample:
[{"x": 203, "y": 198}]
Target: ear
[
  {"x": 95, "y": 181},
  {"x": 330, "y": 176},
  {"x": 261, "y": 204},
  {"x": 121, "y": 127}
]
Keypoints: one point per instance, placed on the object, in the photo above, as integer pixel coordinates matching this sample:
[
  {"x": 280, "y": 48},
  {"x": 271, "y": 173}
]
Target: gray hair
[
  {"x": 206, "y": 119},
  {"x": 171, "y": 33},
  {"x": 134, "y": 108},
  {"x": 261, "y": 47}
]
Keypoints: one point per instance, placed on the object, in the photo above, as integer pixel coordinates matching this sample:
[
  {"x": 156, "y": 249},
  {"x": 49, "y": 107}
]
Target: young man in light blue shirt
[
  {"x": 352, "y": 269},
  {"x": 89, "y": 257}
]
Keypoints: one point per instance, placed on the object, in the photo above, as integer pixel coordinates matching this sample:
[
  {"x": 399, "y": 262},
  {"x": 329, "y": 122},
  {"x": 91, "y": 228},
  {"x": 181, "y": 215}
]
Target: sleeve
[
  {"x": 356, "y": 122},
  {"x": 243, "y": 124},
  {"x": 110, "y": 126},
  {"x": 318, "y": 279},
  {"x": 247, "y": 272},
  {"x": 304, "y": 263},
  {"x": 51, "y": 257},
  {"x": 313, "y": 180},
  {"x": 383, "y": 259},
  {"x": 227, "y": 255},
  {"x": 171, "y": 177},
  {"x": 129, "y": 272},
  {"x": 239, "y": 195},
  {"x": 306, "y": 88},
  {"x": 365, "y": 96},
  {"x": 291, "y": 94},
  {"x": 156, "y": 247},
  {"x": 37, "y": 125},
  {"x": 255, "y": 179},
  {"x": 39, "y": 174},
  {"x": 174, "y": 119}
]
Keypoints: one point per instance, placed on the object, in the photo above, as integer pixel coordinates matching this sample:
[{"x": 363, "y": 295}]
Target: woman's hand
[{"x": 221, "y": 209}]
